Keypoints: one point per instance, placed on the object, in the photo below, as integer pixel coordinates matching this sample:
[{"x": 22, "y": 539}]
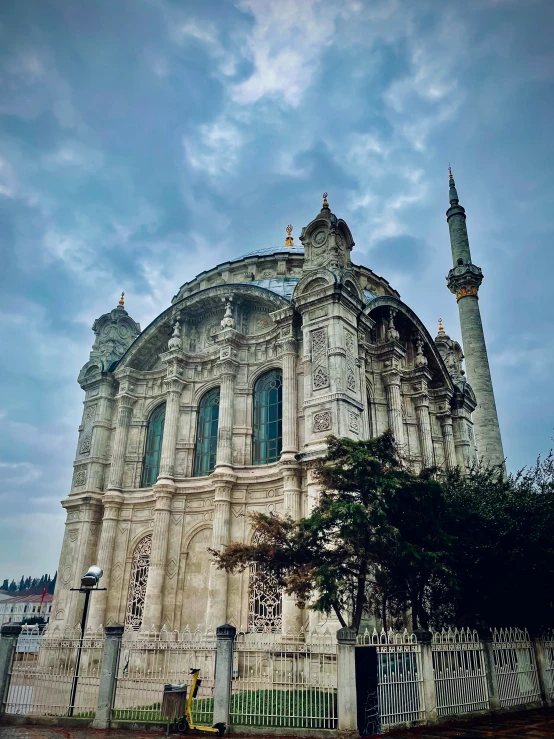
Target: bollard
[
  {"x": 223, "y": 671},
  {"x": 108, "y": 675}
]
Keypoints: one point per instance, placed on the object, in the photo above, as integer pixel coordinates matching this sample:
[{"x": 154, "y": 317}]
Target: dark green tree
[
  {"x": 13, "y": 586},
  {"x": 374, "y": 542},
  {"x": 5, "y": 584}
]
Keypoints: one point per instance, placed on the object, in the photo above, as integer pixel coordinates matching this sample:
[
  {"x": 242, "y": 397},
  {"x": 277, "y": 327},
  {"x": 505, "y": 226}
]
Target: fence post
[
  {"x": 485, "y": 635},
  {"x": 424, "y": 638},
  {"x": 108, "y": 675},
  {"x": 225, "y": 636},
  {"x": 346, "y": 681},
  {"x": 543, "y": 673},
  {"x": 8, "y": 641}
]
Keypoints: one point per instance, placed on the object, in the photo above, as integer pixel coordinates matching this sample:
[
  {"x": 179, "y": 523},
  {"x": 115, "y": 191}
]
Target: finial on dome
[
  {"x": 450, "y": 175},
  {"x": 325, "y": 203},
  {"x": 441, "y": 327},
  {"x": 289, "y": 241},
  {"x": 121, "y": 300}
]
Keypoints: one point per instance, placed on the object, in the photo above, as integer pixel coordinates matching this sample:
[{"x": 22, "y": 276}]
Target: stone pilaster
[
  {"x": 421, "y": 402},
  {"x": 293, "y": 617},
  {"x": 174, "y": 386},
  {"x": 126, "y": 402},
  {"x": 219, "y": 579},
  {"x": 227, "y": 372},
  {"x": 392, "y": 382},
  {"x": 290, "y": 399},
  {"x": 153, "y": 604},
  {"x": 447, "y": 429},
  {"x": 112, "y": 503}
]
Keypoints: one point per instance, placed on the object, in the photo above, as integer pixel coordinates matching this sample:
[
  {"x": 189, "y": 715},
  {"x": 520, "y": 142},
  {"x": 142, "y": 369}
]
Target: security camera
[{"x": 91, "y": 577}]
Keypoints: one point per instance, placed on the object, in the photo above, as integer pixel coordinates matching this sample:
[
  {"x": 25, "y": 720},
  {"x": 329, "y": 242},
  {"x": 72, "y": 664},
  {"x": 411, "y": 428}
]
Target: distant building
[{"x": 16, "y": 609}]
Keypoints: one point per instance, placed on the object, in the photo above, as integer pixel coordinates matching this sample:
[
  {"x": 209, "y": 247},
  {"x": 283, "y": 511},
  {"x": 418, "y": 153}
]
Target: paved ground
[{"x": 528, "y": 725}]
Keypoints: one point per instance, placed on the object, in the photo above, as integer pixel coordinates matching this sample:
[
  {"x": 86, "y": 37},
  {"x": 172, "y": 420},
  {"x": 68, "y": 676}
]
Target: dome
[{"x": 272, "y": 250}]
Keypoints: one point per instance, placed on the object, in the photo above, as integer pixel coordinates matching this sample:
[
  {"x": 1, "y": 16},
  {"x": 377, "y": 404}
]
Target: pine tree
[
  {"x": 13, "y": 586},
  {"x": 5, "y": 584}
]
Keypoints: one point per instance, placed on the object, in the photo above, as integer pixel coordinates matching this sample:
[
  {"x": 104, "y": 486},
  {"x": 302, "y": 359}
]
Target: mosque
[{"x": 220, "y": 406}]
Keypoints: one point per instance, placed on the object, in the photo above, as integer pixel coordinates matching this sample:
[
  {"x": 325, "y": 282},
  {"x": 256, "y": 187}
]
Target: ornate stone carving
[
  {"x": 420, "y": 359},
  {"x": 354, "y": 422},
  {"x": 465, "y": 279},
  {"x": 350, "y": 362},
  {"x": 175, "y": 342},
  {"x": 392, "y": 333},
  {"x": 320, "y": 372},
  {"x": 80, "y": 476},
  {"x": 137, "y": 583},
  {"x": 228, "y": 321},
  {"x": 322, "y": 421},
  {"x": 86, "y": 438}
]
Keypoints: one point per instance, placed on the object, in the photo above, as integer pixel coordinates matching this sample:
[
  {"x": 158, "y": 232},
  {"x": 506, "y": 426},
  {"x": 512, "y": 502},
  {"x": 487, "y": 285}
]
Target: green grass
[{"x": 294, "y": 708}]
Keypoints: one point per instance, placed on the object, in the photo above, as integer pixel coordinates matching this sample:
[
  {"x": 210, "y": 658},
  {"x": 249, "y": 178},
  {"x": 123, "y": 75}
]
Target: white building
[
  {"x": 219, "y": 407},
  {"x": 16, "y": 609}
]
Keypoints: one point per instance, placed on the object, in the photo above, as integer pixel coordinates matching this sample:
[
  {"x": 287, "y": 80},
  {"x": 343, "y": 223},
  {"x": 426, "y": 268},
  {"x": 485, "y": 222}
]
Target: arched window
[
  {"x": 206, "y": 433},
  {"x": 137, "y": 583},
  {"x": 268, "y": 418},
  {"x": 153, "y": 449},
  {"x": 265, "y": 600}
]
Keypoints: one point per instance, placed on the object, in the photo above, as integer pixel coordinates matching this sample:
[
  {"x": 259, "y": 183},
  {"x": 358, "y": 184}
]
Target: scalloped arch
[{"x": 322, "y": 274}]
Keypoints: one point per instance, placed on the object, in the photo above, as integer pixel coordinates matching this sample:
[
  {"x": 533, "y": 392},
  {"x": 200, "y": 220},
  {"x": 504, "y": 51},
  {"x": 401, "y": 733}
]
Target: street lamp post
[{"x": 89, "y": 582}]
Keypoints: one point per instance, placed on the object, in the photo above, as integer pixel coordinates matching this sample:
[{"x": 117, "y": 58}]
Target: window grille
[
  {"x": 206, "y": 433},
  {"x": 265, "y": 601},
  {"x": 153, "y": 449},
  {"x": 268, "y": 418},
  {"x": 137, "y": 583}
]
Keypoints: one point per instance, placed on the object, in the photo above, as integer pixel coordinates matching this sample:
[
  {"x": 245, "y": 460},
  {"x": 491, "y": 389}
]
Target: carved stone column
[
  {"x": 153, "y": 603},
  {"x": 290, "y": 400},
  {"x": 124, "y": 415},
  {"x": 448, "y": 440},
  {"x": 174, "y": 387},
  {"x": 292, "y": 492},
  {"x": 227, "y": 373},
  {"x": 112, "y": 505},
  {"x": 392, "y": 382},
  {"x": 362, "y": 361},
  {"x": 421, "y": 403},
  {"x": 219, "y": 579}
]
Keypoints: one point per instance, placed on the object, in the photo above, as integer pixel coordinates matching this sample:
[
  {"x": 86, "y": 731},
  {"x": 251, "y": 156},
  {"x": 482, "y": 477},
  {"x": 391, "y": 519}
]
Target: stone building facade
[{"x": 219, "y": 408}]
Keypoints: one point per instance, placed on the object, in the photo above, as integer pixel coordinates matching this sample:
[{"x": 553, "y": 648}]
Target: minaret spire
[{"x": 464, "y": 280}]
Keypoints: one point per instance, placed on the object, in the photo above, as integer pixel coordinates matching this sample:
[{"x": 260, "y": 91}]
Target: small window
[
  {"x": 460, "y": 262},
  {"x": 268, "y": 418},
  {"x": 153, "y": 449},
  {"x": 206, "y": 434}
]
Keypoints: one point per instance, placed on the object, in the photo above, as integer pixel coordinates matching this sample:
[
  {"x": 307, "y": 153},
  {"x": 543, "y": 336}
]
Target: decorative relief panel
[
  {"x": 322, "y": 421},
  {"x": 86, "y": 439},
  {"x": 320, "y": 366},
  {"x": 350, "y": 362},
  {"x": 79, "y": 477},
  {"x": 354, "y": 422}
]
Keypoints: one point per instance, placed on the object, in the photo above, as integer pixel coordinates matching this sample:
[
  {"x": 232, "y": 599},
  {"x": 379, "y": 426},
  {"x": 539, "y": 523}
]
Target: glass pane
[
  {"x": 153, "y": 447},
  {"x": 206, "y": 434},
  {"x": 268, "y": 411}
]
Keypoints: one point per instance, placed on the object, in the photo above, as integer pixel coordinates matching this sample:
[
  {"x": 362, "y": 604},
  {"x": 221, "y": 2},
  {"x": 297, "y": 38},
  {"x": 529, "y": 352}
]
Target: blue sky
[{"x": 142, "y": 141}]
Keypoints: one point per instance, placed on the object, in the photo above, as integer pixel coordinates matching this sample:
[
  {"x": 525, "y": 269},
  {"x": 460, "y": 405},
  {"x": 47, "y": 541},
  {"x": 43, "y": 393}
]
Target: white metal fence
[
  {"x": 459, "y": 668},
  {"x": 287, "y": 680},
  {"x": 516, "y": 668},
  {"x": 399, "y": 676},
  {"x": 43, "y": 673},
  {"x": 548, "y": 646},
  {"x": 149, "y": 660}
]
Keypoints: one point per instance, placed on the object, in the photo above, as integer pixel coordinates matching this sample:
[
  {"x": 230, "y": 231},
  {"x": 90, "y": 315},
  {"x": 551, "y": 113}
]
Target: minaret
[{"x": 464, "y": 280}]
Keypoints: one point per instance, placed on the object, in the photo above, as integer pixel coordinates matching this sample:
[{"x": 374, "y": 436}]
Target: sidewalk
[{"x": 537, "y": 724}]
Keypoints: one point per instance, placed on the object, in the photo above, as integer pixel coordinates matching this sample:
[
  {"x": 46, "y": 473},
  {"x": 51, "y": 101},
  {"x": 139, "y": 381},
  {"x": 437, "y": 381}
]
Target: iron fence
[
  {"x": 459, "y": 670},
  {"x": 149, "y": 660},
  {"x": 287, "y": 680},
  {"x": 399, "y": 675},
  {"x": 516, "y": 668},
  {"x": 548, "y": 646},
  {"x": 43, "y": 673}
]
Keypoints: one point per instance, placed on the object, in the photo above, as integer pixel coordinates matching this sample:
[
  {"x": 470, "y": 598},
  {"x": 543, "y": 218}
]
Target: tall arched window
[
  {"x": 137, "y": 583},
  {"x": 206, "y": 433},
  {"x": 153, "y": 449},
  {"x": 265, "y": 600},
  {"x": 268, "y": 418}
]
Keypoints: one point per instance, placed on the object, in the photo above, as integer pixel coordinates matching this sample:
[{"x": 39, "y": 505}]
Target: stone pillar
[
  {"x": 174, "y": 387},
  {"x": 543, "y": 673},
  {"x": 124, "y": 415},
  {"x": 346, "y": 681},
  {"x": 228, "y": 371},
  {"x": 223, "y": 673},
  {"x": 112, "y": 502},
  {"x": 290, "y": 400},
  {"x": 490, "y": 669},
  {"x": 8, "y": 641},
  {"x": 392, "y": 382},
  {"x": 421, "y": 403},
  {"x": 219, "y": 579},
  {"x": 445, "y": 421},
  {"x": 461, "y": 441},
  {"x": 293, "y": 616},
  {"x": 365, "y": 430},
  {"x": 424, "y": 638},
  {"x": 153, "y": 603},
  {"x": 108, "y": 674}
]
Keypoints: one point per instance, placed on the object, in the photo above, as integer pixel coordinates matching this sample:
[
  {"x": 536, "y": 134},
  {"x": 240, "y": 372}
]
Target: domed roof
[{"x": 272, "y": 250}]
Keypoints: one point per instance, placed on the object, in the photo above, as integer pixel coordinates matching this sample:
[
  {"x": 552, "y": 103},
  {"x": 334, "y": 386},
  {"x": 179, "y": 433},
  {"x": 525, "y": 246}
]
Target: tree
[
  {"x": 373, "y": 542},
  {"x": 5, "y": 584},
  {"x": 13, "y": 586},
  {"x": 52, "y": 583}
]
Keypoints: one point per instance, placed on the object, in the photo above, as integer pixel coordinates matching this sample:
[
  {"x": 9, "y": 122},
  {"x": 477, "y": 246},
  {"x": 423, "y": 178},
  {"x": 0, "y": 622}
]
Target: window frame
[
  {"x": 266, "y": 413},
  {"x": 200, "y": 469},
  {"x": 147, "y": 481}
]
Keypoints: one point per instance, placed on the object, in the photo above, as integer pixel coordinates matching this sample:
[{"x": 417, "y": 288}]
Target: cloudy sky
[{"x": 142, "y": 141}]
